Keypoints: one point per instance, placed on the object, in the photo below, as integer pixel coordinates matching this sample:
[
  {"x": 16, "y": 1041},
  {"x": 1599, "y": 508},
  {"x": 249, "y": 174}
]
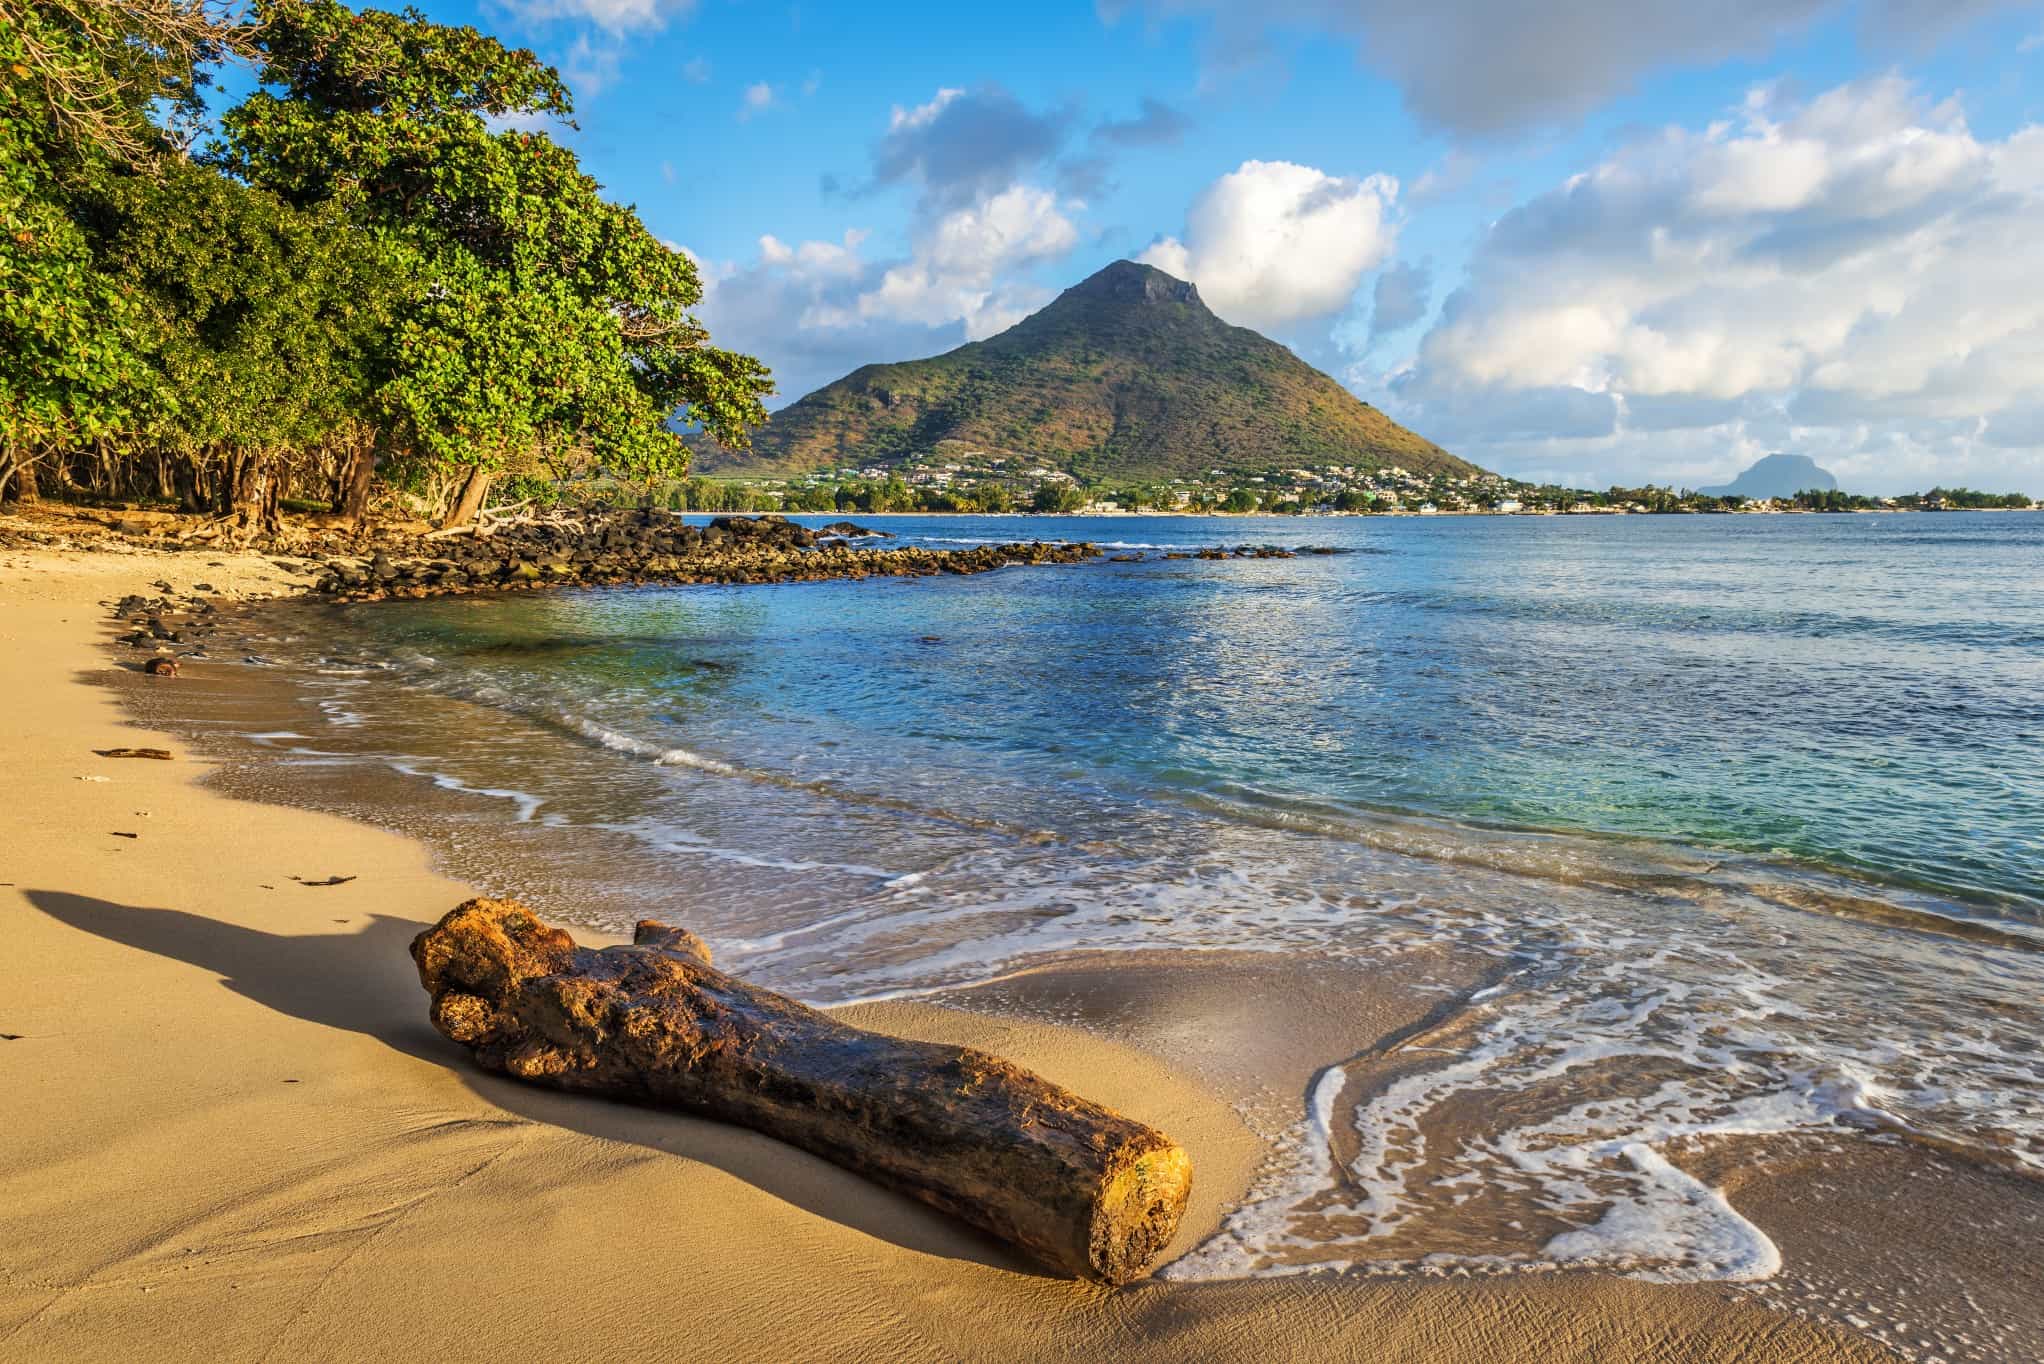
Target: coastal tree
[
  {"x": 1057, "y": 497},
  {"x": 261, "y": 323},
  {"x": 79, "y": 80},
  {"x": 531, "y": 313}
]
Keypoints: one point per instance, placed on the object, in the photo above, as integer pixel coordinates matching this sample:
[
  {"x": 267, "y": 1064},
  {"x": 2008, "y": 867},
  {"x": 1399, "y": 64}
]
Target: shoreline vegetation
[
  {"x": 373, "y": 277},
  {"x": 953, "y": 481}
]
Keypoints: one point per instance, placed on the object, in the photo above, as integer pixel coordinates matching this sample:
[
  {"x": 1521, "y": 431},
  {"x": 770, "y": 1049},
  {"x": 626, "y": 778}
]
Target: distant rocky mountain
[
  {"x": 1777, "y": 476},
  {"x": 1126, "y": 375}
]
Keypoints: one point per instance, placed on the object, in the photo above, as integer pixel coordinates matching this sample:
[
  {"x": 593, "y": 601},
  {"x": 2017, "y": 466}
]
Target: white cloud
[
  {"x": 757, "y": 99},
  {"x": 1853, "y": 275},
  {"x": 796, "y": 307},
  {"x": 815, "y": 310},
  {"x": 696, "y": 71},
  {"x": 592, "y": 64},
  {"x": 1272, "y": 242},
  {"x": 959, "y": 260},
  {"x": 816, "y": 260},
  {"x": 922, "y": 115},
  {"x": 613, "y": 16}
]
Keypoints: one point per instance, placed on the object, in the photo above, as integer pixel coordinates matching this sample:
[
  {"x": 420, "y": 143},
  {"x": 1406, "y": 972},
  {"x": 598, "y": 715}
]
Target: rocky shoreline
[
  {"x": 640, "y": 547},
  {"x": 600, "y": 548}
]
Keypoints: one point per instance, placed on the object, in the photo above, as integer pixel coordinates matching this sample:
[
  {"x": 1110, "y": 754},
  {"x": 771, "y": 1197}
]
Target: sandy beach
[{"x": 232, "y": 1134}]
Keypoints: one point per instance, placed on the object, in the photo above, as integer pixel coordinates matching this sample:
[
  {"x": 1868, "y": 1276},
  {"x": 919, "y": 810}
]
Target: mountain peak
[
  {"x": 1126, "y": 281},
  {"x": 1126, "y": 375},
  {"x": 1777, "y": 475}
]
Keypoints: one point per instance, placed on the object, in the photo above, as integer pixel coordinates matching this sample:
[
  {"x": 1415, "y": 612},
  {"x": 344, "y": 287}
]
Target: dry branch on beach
[{"x": 1079, "y": 1187}]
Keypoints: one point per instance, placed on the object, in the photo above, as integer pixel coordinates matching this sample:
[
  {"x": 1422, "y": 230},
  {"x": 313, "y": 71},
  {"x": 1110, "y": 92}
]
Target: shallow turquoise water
[
  {"x": 1857, "y": 692},
  {"x": 1741, "y": 818}
]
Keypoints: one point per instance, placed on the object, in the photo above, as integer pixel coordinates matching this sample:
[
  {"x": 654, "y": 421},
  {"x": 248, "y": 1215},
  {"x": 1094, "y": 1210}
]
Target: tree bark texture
[
  {"x": 357, "y": 482},
  {"x": 470, "y": 502},
  {"x": 25, "y": 489}
]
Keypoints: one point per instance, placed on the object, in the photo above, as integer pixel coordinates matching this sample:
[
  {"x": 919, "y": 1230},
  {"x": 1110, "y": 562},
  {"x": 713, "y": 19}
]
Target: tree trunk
[
  {"x": 25, "y": 490},
  {"x": 255, "y": 495},
  {"x": 356, "y": 485},
  {"x": 221, "y": 495},
  {"x": 184, "y": 473},
  {"x": 1079, "y": 1187},
  {"x": 471, "y": 500}
]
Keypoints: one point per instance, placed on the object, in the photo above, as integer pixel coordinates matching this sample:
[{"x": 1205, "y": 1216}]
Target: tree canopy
[{"x": 375, "y": 265}]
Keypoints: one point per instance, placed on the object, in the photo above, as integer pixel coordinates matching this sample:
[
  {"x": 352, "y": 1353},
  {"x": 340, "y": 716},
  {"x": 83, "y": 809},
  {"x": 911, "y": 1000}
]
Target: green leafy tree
[
  {"x": 533, "y": 313},
  {"x": 815, "y": 498},
  {"x": 1057, "y": 497},
  {"x": 78, "y": 79},
  {"x": 264, "y": 323}
]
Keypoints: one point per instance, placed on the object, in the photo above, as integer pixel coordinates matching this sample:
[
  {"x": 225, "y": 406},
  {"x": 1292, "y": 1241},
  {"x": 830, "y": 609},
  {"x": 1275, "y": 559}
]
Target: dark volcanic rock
[{"x": 649, "y": 547}]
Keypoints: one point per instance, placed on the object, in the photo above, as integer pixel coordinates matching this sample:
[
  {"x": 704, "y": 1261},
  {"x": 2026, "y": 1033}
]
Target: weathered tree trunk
[
  {"x": 255, "y": 493},
  {"x": 356, "y": 484},
  {"x": 24, "y": 482},
  {"x": 1081, "y": 1188},
  {"x": 221, "y": 493},
  {"x": 471, "y": 500}
]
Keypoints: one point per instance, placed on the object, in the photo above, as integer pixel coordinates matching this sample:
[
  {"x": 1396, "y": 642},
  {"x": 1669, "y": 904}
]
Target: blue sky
[{"x": 1600, "y": 240}]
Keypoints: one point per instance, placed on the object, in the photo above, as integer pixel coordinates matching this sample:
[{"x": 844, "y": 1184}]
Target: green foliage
[
  {"x": 263, "y": 321},
  {"x": 1966, "y": 499},
  {"x": 77, "y": 80},
  {"x": 1057, "y": 497},
  {"x": 535, "y": 313},
  {"x": 364, "y": 260},
  {"x": 70, "y": 369}
]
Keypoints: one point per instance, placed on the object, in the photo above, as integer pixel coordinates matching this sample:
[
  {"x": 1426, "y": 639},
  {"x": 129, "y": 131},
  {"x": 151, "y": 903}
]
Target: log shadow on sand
[{"x": 364, "y": 982}]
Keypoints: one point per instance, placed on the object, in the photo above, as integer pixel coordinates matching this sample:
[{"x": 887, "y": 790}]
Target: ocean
[{"x": 1697, "y": 827}]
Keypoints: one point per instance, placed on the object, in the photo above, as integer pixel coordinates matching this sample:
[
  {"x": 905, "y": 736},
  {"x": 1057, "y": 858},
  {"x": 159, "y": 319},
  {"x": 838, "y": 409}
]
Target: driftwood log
[{"x": 1081, "y": 1188}]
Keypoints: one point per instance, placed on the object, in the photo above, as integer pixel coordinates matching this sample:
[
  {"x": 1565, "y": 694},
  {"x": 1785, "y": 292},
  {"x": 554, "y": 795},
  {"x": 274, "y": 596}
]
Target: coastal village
[{"x": 956, "y": 478}]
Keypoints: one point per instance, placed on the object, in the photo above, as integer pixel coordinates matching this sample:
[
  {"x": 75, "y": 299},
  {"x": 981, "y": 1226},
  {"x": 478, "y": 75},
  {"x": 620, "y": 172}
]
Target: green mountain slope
[{"x": 1126, "y": 375}]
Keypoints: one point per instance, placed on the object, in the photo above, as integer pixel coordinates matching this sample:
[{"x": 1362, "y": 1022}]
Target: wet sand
[{"x": 233, "y": 1135}]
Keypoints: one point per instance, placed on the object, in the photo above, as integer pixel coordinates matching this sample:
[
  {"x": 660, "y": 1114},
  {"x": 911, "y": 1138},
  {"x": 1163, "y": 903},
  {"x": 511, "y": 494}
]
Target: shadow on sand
[{"x": 362, "y": 981}]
